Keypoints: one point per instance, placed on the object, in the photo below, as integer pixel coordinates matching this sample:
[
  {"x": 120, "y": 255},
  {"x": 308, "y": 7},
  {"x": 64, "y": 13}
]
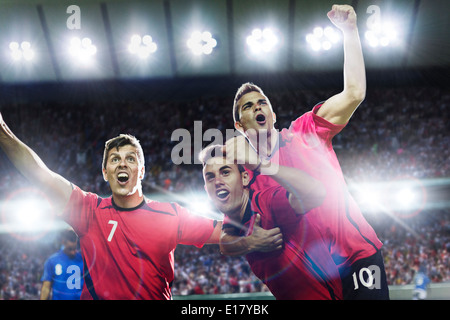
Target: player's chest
[{"x": 135, "y": 231}]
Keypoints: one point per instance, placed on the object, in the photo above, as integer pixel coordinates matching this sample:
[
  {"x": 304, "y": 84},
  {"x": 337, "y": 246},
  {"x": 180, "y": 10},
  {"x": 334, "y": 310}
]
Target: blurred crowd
[{"x": 396, "y": 132}]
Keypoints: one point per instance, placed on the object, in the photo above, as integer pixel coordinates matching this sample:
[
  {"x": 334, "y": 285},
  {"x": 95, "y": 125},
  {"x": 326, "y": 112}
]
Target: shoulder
[
  {"x": 311, "y": 126},
  {"x": 267, "y": 194},
  {"x": 55, "y": 257},
  {"x": 167, "y": 208},
  {"x": 78, "y": 195}
]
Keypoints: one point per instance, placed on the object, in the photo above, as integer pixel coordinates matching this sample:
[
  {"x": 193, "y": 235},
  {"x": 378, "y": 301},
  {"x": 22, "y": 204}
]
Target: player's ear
[
  {"x": 105, "y": 177},
  {"x": 238, "y": 126},
  {"x": 141, "y": 175},
  {"x": 274, "y": 117},
  {"x": 245, "y": 178}
]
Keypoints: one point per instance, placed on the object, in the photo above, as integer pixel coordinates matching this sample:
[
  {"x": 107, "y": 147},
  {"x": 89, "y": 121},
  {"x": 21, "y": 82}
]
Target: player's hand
[
  {"x": 343, "y": 17},
  {"x": 239, "y": 151},
  {"x": 263, "y": 240}
]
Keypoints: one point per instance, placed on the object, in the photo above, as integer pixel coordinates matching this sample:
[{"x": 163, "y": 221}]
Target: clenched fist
[{"x": 343, "y": 17}]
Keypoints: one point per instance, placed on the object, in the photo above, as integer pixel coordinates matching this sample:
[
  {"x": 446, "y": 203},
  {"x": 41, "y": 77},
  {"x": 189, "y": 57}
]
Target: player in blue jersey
[
  {"x": 421, "y": 282},
  {"x": 63, "y": 271}
]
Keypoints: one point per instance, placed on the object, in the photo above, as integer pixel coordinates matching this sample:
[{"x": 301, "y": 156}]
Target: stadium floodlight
[
  {"x": 262, "y": 41},
  {"x": 201, "y": 43},
  {"x": 381, "y": 35},
  {"x": 322, "y": 38},
  {"x": 21, "y": 51},
  {"x": 142, "y": 46},
  {"x": 82, "y": 49}
]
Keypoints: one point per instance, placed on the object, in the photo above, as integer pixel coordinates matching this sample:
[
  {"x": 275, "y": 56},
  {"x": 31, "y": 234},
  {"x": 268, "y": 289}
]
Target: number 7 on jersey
[{"x": 113, "y": 229}]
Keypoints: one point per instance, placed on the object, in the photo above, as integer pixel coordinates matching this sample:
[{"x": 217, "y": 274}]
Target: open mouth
[
  {"x": 222, "y": 194},
  {"x": 260, "y": 119},
  {"x": 122, "y": 177}
]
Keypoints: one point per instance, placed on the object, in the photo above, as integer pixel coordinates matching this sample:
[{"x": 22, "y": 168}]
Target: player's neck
[
  {"x": 244, "y": 202},
  {"x": 265, "y": 145},
  {"x": 128, "y": 201}
]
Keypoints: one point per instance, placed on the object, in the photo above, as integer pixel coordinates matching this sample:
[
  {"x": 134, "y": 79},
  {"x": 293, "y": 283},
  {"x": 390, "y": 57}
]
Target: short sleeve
[
  {"x": 311, "y": 126},
  {"x": 193, "y": 229},
  {"x": 282, "y": 212},
  {"x": 79, "y": 210},
  {"x": 275, "y": 209},
  {"x": 48, "y": 271}
]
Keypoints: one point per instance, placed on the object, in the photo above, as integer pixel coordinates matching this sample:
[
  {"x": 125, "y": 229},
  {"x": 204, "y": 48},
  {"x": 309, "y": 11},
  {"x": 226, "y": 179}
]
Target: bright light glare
[
  {"x": 201, "y": 43},
  {"x": 142, "y": 46},
  {"x": 201, "y": 205},
  {"x": 369, "y": 197},
  {"x": 262, "y": 41},
  {"x": 82, "y": 49},
  {"x": 406, "y": 197},
  {"x": 30, "y": 214},
  {"x": 383, "y": 35},
  {"x": 22, "y": 51},
  {"x": 322, "y": 38}
]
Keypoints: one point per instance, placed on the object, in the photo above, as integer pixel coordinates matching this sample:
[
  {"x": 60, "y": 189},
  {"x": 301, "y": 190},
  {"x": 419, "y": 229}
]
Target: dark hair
[
  {"x": 69, "y": 235},
  {"x": 214, "y": 151},
  {"x": 120, "y": 141},
  {"x": 243, "y": 90}
]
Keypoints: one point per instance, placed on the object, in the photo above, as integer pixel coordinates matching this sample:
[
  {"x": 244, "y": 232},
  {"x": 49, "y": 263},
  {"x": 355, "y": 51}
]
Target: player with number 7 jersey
[
  {"x": 127, "y": 241},
  {"x": 129, "y": 253}
]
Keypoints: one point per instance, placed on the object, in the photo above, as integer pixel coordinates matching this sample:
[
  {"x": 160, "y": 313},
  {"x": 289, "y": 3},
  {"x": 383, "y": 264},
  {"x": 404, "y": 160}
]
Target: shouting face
[
  {"x": 124, "y": 172},
  {"x": 255, "y": 112},
  {"x": 225, "y": 186}
]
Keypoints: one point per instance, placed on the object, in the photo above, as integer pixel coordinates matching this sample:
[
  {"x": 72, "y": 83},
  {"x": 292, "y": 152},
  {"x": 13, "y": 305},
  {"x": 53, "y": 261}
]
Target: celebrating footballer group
[{"x": 286, "y": 204}]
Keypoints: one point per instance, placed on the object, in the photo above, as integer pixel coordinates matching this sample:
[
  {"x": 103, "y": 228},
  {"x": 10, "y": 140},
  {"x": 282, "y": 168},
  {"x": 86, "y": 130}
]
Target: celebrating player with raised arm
[
  {"x": 127, "y": 241},
  {"x": 303, "y": 268},
  {"x": 307, "y": 145}
]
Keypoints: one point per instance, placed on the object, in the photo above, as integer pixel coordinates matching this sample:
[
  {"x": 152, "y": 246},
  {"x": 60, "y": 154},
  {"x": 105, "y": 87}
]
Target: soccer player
[
  {"x": 307, "y": 145},
  {"x": 63, "y": 271},
  {"x": 303, "y": 269},
  {"x": 127, "y": 241},
  {"x": 421, "y": 283}
]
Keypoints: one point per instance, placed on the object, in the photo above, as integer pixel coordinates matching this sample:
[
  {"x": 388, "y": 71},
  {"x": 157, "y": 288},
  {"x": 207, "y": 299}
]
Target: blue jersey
[
  {"x": 421, "y": 281},
  {"x": 65, "y": 274}
]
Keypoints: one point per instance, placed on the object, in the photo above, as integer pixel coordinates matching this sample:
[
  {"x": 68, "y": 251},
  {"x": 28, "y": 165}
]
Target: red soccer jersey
[
  {"x": 307, "y": 145},
  {"x": 303, "y": 269},
  {"x": 129, "y": 253}
]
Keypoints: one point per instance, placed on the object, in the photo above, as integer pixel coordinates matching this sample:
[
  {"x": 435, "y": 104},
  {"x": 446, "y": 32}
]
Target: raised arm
[
  {"x": 339, "y": 108},
  {"x": 31, "y": 166}
]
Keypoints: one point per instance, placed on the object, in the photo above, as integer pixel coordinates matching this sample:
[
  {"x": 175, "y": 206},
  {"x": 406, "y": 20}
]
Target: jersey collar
[{"x": 127, "y": 209}]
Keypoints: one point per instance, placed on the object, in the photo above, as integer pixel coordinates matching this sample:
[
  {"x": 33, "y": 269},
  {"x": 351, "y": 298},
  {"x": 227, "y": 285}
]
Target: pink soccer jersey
[
  {"x": 303, "y": 269},
  {"x": 307, "y": 145},
  {"x": 129, "y": 253}
]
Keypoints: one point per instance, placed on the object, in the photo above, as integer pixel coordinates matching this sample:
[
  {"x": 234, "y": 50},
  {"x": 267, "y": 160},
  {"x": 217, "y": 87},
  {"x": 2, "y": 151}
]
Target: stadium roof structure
[{"x": 48, "y": 26}]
